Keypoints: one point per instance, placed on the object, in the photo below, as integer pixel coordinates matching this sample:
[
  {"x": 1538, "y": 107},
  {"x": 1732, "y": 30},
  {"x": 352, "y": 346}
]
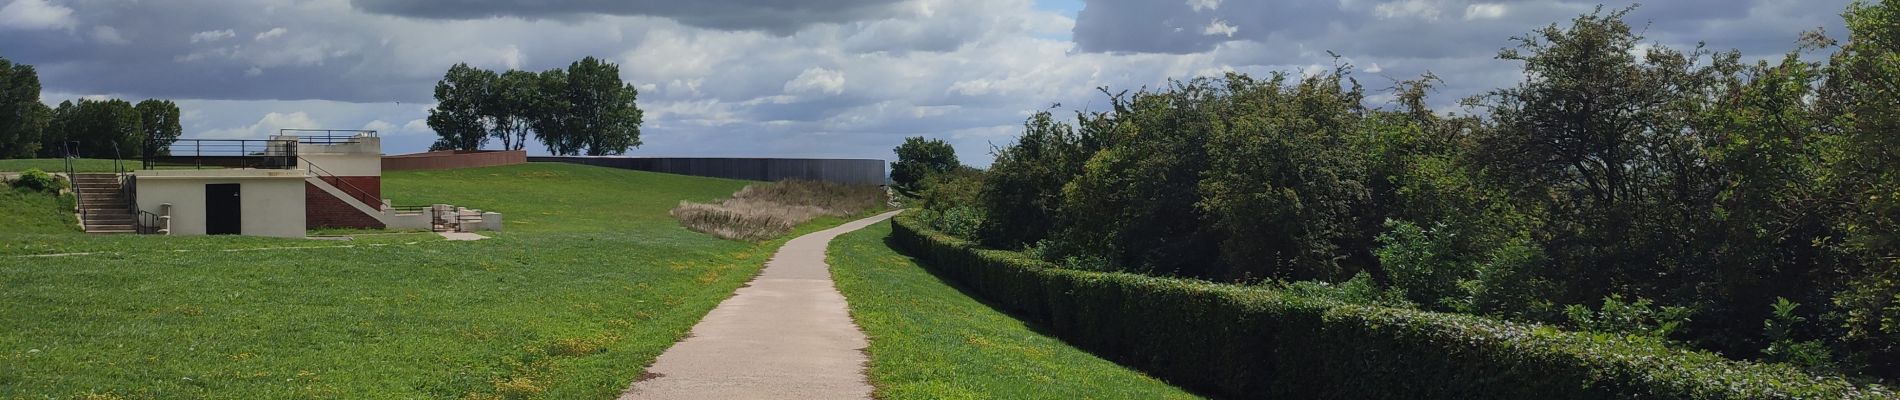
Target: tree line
[
  {"x": 1748, "y": 208},
  {"x": 85, "y": 127},
  {"x": 583, "y": 109}
]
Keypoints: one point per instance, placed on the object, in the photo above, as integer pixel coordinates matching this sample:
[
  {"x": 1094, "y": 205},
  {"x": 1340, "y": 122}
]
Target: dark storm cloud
[{"x": 776, "y": 16}]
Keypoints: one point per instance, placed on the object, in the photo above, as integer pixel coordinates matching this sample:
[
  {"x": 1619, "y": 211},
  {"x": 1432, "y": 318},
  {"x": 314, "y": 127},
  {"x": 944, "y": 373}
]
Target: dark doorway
[{"x": 224, "y": 213}]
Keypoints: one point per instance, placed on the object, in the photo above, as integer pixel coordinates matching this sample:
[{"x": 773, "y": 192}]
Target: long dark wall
[{"x": 869, "y": 172}]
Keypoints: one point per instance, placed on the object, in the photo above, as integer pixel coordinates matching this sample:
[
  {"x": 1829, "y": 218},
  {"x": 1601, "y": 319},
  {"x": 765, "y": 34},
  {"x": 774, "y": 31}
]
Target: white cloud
[
  {"x": 273, "y": 33},
  {"x": 108, "y": 35},
  {"x": 1484, "y": 11},
  {"x": 1199, "y": 5},
  {"x": 35, "y": 15},
  {"x": 269, "y": 125},
  {"x": 1375, "y": 68},
  {"x": 1428, "y": 10},
  {"x": 212, "y": 36},
  {"x": 1220, "y": 27},
  {"x": 817, "y": 79}
]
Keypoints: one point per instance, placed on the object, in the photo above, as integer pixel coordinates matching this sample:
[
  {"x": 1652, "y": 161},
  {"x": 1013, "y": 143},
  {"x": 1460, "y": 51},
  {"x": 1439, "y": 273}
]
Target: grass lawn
[
  {"x": 590, "y": 283},
  {"x": 930, "y": 341},
  {"x": 59, "y": 164},
  {"x": 35, "y": 212}
]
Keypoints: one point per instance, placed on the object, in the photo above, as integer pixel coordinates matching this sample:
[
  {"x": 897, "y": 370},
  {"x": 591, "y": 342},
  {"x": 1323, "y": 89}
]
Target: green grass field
[
  {"x": 59, "y": 164},
  {"x": 590, "y": 283},
  {"x": 34, "y": 212},
  {"x": 930, "y": 341}
]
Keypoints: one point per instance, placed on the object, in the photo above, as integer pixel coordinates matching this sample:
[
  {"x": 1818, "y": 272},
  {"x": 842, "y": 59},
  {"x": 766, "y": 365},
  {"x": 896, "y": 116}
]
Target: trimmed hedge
[{"x": 1248, "y": 342}]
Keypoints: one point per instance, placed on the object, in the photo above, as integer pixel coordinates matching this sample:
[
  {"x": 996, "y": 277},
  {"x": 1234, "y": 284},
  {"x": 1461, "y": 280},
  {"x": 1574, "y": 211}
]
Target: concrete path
[{"x": 787, "y": 335}]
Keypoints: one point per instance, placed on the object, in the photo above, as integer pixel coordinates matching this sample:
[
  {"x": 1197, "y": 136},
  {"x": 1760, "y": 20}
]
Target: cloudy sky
[{"x": 790, "y": 78}]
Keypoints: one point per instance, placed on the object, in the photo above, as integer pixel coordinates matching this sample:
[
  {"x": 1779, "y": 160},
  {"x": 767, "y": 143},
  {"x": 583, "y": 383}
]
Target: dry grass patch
[{"x": 769, "y": 210}]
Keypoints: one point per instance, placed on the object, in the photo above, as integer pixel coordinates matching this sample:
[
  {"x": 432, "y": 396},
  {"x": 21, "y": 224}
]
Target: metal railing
[
  {"x": 325, "y": 175},
  {"x": 72, "y": 178},
  {"x": 326, "y": 136},
  {"x": 226, "y": 153},
  {"x": 128, "y": 186}
]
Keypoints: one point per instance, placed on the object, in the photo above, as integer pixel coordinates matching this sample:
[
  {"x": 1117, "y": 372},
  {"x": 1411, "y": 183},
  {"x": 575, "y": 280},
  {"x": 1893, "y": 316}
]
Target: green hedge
[{"x": 1241, "y": 342}]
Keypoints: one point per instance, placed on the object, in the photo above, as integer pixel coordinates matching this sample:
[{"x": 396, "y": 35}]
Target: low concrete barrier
[
  {"x": 453, "y": 159},
  {"x": 853, "y": 171}
]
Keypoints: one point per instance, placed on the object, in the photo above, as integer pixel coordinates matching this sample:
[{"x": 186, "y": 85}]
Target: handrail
[
  {"x": 326, "y": 136},
  {"x": 72, "y": 178},
  {"x": 359, "y": 193},
  {"x": 270, "y": 154}
]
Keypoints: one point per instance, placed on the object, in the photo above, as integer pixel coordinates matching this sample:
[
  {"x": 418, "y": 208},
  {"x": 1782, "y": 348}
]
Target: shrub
[
  {"x": 1251, "y": 342},
  {"x": 765, "y": 211},
  {"x": 39, "y": 181}
]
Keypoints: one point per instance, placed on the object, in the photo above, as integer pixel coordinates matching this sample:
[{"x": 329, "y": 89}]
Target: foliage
[
  {"x": 1023, "y": 186},
  {"x": 457, "y": 117},
  {"x": 23, "y": 117},
  {"x": 959, "y": 221},
  {"x": 1860, "y": 101},
  {"x": 583, "y": 109},
  {"x": 1640, "y": 317},
  {"x": 1258, "y": 343},
  {"x": 1783, "y": 345},
  {"x": 94, "y": 128},
  {"x": 931, "y": 340},
  {"x": 919, "y": 158},
  {"x": 158, "y": 121},
  {"x": 38, "y": 181},
  {"x": 1684, "y": 179},
  {"x": 957, "y": 187}
]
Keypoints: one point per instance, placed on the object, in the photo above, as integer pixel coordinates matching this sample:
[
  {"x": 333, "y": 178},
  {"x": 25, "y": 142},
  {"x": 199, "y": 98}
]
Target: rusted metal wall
[{"x": 855, "y": 171}]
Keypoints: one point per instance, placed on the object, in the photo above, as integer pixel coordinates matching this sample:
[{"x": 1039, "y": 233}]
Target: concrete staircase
[{"x": 103, "y": 204}]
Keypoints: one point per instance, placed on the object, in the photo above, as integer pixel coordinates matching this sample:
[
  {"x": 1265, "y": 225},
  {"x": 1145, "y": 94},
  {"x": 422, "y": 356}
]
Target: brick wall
[{"x": 321, "y": 210}]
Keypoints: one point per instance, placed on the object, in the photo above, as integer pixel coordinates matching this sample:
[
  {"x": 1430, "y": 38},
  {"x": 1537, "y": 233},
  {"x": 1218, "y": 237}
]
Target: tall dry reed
[{"x": 769, "y": 210}]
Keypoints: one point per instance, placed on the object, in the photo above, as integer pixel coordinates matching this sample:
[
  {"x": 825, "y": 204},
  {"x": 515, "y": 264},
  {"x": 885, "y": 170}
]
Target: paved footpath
[{"x": 787, "y": 335}]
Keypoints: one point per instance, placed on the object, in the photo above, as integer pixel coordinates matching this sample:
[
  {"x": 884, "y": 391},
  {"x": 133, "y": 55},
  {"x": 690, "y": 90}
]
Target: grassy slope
[
  {"x": 930, "y": 341},
  {"x": 32, "y": 212},
  {"x": 59, "y": 165},
  {"x": 592, "y": 281}
]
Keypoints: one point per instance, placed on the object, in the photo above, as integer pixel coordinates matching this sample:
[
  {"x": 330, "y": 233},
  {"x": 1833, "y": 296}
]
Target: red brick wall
[{"x": 321, "y": 210}]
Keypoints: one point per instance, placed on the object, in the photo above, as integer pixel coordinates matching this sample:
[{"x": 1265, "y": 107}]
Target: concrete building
[{"x": 281, "y": 186}]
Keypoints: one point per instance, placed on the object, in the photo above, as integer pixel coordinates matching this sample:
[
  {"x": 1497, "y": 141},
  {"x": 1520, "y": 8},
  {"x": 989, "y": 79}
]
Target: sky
[{"x": 796, "y": 78}]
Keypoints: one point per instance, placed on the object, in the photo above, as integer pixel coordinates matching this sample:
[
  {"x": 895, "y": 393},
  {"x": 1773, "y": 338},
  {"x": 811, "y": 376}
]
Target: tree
[
  {"x": 605, "y": 119},
  {"x": 510, "y": 106},
  {"x": 159, "y": 120},
  {"x": 550, "y": 116},
  {"x": 919, "y": 158},
  {"x": 1861, "y": 98},
  {"x": 458, "y": 115},
  {"x": 97, "y": 128},
  {"x": 22, "y": 117}
]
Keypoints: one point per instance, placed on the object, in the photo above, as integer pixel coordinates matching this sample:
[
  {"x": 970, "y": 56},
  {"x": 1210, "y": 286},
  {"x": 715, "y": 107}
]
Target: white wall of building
[
  {"x": 272, "y": 201},
  {"x": 362, "y": 158}
]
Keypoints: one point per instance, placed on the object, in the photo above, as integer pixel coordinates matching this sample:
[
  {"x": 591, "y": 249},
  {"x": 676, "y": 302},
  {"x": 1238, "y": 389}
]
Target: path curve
[{"x": 787, "y": 335}]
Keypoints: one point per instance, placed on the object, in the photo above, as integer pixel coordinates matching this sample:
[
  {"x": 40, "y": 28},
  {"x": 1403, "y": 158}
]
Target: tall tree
[
  {"x": 549, "y": 113},
  {"x": 604, "y": 114},
  {"x": 510, "y": 107},
  {"x": 159, "y": 119},
  {"x": 1861, "y": 94},
  {"x": 919, "y": 158},
  {"x": 97, "y": 128},
  {"x": 458, "y": 115},
  {"x": 22, "y": 116}
]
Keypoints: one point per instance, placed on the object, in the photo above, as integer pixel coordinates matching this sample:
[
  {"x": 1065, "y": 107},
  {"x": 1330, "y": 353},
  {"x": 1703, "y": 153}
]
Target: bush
[
  {"x": 39, "y": 181},
  {"x": 765, "y": 211},
  {"x": 1250, "y": 342}
]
